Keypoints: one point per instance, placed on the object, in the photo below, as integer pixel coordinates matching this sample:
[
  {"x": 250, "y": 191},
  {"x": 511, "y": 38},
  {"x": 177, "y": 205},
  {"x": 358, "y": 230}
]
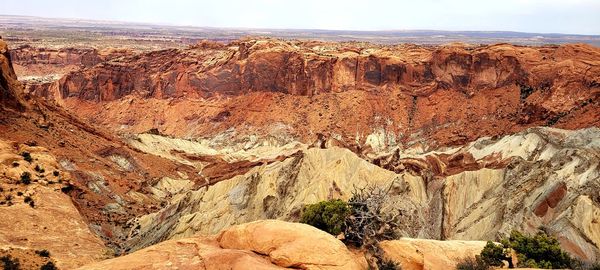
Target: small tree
[
  {"x": 48, "y": 266},
  {"x": 538, "y": 251},
  {"x": 43, "y": 253},
  {"x": 328, "y": 216},
  {"x": 10, "y": 263},
  {"x": 494, "y": 254},
  {"x": 26, "y": 178},
  {"x": 369, "y": 223},
  {"x": 27, "y": 157}
]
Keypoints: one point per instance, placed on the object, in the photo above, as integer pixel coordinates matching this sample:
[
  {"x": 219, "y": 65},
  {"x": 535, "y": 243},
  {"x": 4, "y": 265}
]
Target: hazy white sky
[{"x": 544, "y": 16}]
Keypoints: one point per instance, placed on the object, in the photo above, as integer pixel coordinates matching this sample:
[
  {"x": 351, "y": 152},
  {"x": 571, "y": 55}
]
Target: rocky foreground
[
  {"x": 271, "y": 244},
  {"x": 219, "y": 147}
]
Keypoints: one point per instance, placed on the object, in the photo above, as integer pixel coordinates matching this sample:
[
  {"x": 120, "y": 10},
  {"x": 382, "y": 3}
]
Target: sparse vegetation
[
  {"x": 388, "y": 265},
  {"x": 29, "y": 201},
  {"x": 538, "y": 251},
  {"x": 48, "y": 266},
  {"x": 43, "y": 253},
  {"x": 7, "y": 199},
  {"x": 494, "y": 254},
  {"x": 39, "y": 169},
  {"x": 577, "y": 264},
  {"x": 328, "y": 216},
  {"x": 363, "y": 221},
  {"x": 526, "y": 91},
  {"x": 27, "y": 156},
  {"x": 472, "y": 264},
  {"x": 26, "y": 178},
  {"x": 10, "y": 263},
  {"x": 369, "y": 223}
]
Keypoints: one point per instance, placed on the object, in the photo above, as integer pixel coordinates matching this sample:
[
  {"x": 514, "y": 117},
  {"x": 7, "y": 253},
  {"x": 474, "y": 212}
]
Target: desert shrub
[
  {"x": 388, "y": 265},
  {"x": 328, "y": 216},
  {"x": 29, "y": 201},
  {"x": 39, "y": 169},
  {"x": 26, "y": 178},
  {"x": 27, "y": 157},
  {"x": 43, "y": 253},
  {"x": 10, "y": 263},
  {"x": 526, "y": 91},
  {"x": 470, "y": 263},
  {"x": 577, "y": 264},
  {"x": 538, "y": 251},
  {"x": 363, "y": 220},
  {"x": 369, "y": 223},
  {"x": 55, "y": 173},
  {"x": 494, "y": 254},
  {"x": 48, "y": 266}
]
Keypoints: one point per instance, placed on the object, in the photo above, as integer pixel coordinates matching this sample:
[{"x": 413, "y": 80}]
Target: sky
[{"x": 536, "y": 16}]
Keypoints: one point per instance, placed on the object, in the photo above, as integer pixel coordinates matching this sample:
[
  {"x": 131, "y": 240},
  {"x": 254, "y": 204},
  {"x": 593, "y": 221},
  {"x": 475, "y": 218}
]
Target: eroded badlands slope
[{"x": 539, "y": 178}]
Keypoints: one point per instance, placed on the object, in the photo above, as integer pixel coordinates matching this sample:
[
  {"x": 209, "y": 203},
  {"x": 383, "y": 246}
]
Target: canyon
[
  {"x": 205, "y": 156},
  {"x": 358, "y": 94}
]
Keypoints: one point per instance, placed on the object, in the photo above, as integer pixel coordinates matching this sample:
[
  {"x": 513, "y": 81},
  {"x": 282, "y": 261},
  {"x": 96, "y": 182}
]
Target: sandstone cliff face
[
  {"x": 27, "y": 55},
  {"x": 10, "y": 88},
  {"x": 447, "y": 94},
  {"x": 37, "y": 66},
  {"x": 309, "y": 68}
]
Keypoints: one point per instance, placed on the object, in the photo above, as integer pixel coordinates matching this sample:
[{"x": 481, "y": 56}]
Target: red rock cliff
[
  {"x": 10, "y": 88},
  {"x": 433, "y": 92}
]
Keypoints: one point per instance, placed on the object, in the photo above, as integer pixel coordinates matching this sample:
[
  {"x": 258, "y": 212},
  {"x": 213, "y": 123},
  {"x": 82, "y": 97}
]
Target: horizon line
[{"x": 165, "y": 24}]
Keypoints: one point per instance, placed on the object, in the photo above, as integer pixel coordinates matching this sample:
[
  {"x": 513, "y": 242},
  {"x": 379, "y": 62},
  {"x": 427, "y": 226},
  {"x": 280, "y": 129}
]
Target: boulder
[
  {"x": 266, "y": 244},
  {"x": 290, "y": 245},
  {"x": 425, "y": 254}
]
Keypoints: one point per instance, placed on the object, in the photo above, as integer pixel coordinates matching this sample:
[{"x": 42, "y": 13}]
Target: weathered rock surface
[
  {"x": 37, "y": 66},
  {"x": 10, "y": 88},
  {"x": 87, "y": 57},
  {"x": 538, "y": 178},
  {"x": 361, "y": 94},
  {"x": 541, "y": 177},
  {"x": 277, "y": 190},
  {"x": 290, "y": 245},
  {"x": 267, "y": 244},
  {"x": 424, "y": 254}
]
